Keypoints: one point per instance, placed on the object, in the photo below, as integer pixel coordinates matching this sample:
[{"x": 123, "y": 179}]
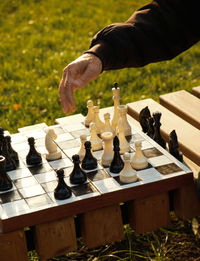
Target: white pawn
[
  {"x": 127, "y": 174},
  {"x": 123, "y": 116},
  {"x": 99, "y": 124},
  {"x": 108, "y": 152},
  {"x": 96, "y": 142},
  {"x": 123, "y": 143},
  {"x": 81, "y": 152},
  {"x": 107, "y": 123},
  {"x": 116, "y": 99},
  {"x": 53, "y": 153},
  {"x": 90, "y": 115},
  {"x": 139, "y": 161}
]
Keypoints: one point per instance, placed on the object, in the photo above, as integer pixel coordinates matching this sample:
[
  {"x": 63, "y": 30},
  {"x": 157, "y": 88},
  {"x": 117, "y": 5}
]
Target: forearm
[{"x": 158, "y": 31}]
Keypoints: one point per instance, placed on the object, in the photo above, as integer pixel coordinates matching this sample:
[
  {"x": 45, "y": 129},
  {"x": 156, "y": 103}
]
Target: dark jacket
[{"x": 158, "y": 31}]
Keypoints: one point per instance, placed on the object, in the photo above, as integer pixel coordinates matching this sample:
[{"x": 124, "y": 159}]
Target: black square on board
[
  {"x": 10, "y": 196},
  {"x": 168, "y": 169},
  {"x": 83, "y": 189},
  {"x": 152, "y": 152}
]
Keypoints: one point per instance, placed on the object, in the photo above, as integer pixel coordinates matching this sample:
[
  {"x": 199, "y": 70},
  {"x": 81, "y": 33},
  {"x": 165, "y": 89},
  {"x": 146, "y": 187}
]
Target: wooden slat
[
  {"x": 13, "y": 246},
  {"x": 150, "y": 213},
  {"x": 188, "y": 135},
  {"x": 184, "y": 104},
  {"x": 196, "y": 91},
  {"x": 102, "y": 226},
  {"x": 55, "y": 238}
]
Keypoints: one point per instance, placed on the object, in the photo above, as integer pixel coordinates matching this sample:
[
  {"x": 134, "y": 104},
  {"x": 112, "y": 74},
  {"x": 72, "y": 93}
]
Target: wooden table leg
[
  {"x": 13, "y": 246},
  {"x": 102, "y": 226},
  {"x": 186, "y": 204},
  {"x": 150, "y": 213},
  {"x": 55, "y": 238}
]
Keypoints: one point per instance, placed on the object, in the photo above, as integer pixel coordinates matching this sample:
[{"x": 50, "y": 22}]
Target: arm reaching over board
[{"x": 158, "y": 31}]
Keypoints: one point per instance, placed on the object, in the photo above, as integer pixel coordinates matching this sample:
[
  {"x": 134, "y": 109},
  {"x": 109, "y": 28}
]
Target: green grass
[{"x": 39, "y": 38}]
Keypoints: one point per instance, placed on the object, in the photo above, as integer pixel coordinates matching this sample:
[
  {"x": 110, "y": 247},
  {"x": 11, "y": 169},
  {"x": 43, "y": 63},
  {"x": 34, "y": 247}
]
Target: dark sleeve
[{"x": 158, "y": 31}]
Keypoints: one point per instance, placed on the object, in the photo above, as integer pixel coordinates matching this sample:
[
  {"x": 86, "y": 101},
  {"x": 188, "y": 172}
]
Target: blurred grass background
[{"x": 39, "y": 38}]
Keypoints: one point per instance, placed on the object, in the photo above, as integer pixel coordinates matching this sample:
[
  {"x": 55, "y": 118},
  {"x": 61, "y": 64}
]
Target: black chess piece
[
  {"x": 117, "y": 163},
  {"x": 77, "y": 176},
  {"x": 9, "y": 162},
  {"x": 1, "y": 139},
  {"x": 150, "y": 131},
  {"x": 157, "y": 135},
  {"x": 33, "y": 157},
  {"x": 62, "y": 191},
  {"x": 115, "y": 85},
  {"x": 5, "y": 181},
  {"x": 173, "y": 146},
  {"x": 143, "y": 116},
  {"x": 89, "y": 162},
  {"x": 11, "y": 151}
]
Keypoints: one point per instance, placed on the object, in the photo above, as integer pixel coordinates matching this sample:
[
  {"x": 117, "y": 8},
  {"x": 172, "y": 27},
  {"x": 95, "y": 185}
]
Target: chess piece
[
  {"x": 77, "y": 176},
  {"x": 143, "y": 116},
  {"x": 116, "y": 99},
  {"x": 90, "y": 115},
  {"x": 150, "y": 131},
  {"x": 128, "y": 174},
  {"x": 62, "y": 191},
  {"x": 53, "y": 153},
  {"x": 173, "y": 146},
  {"x": 157, "y": 135},
  {"x": 139, "y": 161},
  {"x": 96, "y": 142},
  {"x": 33, "y": 157},
  {"x": 11, "y": 151},
  {"x": 5, "y": 181},
  {"x": 108, "y": 153},
  {"x": 124, "y": 145},
  {"x": 9, "y": 162},
  {"x": 117, "y": 163},
  {"x": 123, "y": 116},
  {"x": 99, "y": 124},
  {"x": 81, "y": 152},
  {"x": 1, "y": 139},
  {"x": 107, "y": 124},
  {"x": 89, "y": 161}
]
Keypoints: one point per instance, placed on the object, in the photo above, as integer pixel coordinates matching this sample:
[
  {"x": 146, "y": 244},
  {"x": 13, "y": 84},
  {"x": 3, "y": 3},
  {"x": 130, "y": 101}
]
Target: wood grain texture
[
  {"x": 55, "y": 238},
  {"x": 102, "y": 226},
  {"x": 187, "y": 134},
  {"x": 196, "y": 91},
  {"x": 13, "y": 246},
  {"x": 184, "y": 104},
  {"x": 150, "y": 213}
]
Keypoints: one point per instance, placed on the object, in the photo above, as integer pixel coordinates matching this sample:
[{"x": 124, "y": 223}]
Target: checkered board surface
[{"x": 33, "y": 187}]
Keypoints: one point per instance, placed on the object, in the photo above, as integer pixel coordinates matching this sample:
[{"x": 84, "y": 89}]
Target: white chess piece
[
  {"x": 139, "y": 161},
  {"x": 53, "y": 153},
  {"x": 108, "y": 152},
  {"x": 107, "y": 123},
  {"x": 81, "y": 152},
  {"x": 90, "y": 115},
  {"x": 122, "y": 109},
  {"x": 116, "y": 99},
  {"x": 96, "y": 142},
  {"x": 127, "y": 174},
  {"x": 123, "y": 143},
  {"x": 99, "y": 124}
]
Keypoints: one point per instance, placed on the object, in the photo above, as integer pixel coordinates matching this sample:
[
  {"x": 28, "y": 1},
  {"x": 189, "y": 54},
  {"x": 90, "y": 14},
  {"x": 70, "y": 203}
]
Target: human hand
[{"x": 77, "y": 75}]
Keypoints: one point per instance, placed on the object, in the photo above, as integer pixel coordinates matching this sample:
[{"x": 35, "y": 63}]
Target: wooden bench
[{"x": 196, "y": 91}]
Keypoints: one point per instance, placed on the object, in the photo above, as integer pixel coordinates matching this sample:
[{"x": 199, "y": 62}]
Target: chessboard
[{"x": 31, "y": 201}]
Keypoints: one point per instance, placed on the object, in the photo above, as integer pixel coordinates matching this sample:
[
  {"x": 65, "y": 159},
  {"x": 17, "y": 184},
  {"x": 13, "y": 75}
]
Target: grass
[{"x": 38, "y": 39}]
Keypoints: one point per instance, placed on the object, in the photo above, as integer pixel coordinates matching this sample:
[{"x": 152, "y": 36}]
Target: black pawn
[
  {"x": 9, "y": 162},
  {"x": 143, "y": 116},
  {"x": 157, "y": 135},
  {"x": 62, "y": 191},
  {"x": 33, "y": 157},
  {"x": 150, "y": 131},
  {"x": 11, "y": 151},
  {"x": 89, "y": 161},
  {"x": 117, "y": 163},
  {"x": 5, "y": 182},
  {"x": 77, "y": 176},
  {"x": 173, "y": 146},
  {"x": 1, "y": 139}
]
